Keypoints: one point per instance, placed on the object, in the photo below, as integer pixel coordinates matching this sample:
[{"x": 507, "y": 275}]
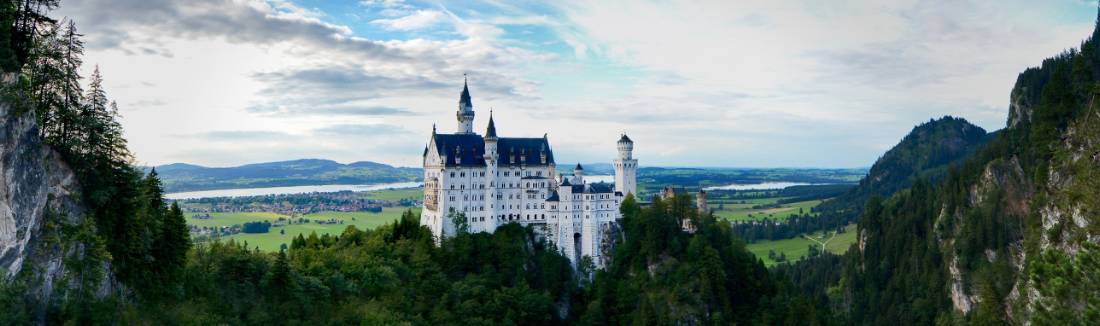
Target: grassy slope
[
  {"x": 396, "y": 194},
  {"x": 272, "y": 240},
  {"x": 798, "y": 247},
  {"x": 740, "y": 212}
]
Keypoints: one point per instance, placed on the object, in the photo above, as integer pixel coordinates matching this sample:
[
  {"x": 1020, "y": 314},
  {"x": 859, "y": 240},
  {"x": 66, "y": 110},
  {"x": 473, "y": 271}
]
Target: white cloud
[
  {"x": 419, "y": 19},
  {"x": 741, "y": 83}
]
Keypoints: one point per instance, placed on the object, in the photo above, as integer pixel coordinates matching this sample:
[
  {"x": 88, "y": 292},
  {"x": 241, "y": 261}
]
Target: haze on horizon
[{"x": 746, "y": 84}]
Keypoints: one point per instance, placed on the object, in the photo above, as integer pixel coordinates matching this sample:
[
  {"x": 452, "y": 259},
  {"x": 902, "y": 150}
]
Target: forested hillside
[
  {"x": 129, "y": 243},
  {"x": 927, "y": 152},
  {"x": 1009, "y": 236}
]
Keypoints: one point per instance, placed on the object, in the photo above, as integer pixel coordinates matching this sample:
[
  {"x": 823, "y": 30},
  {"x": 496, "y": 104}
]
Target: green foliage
[
  {"x": 659, "y": 274},
  {"x": 1069, "y": 287},
  {"x": 394, "y": 274},
  {"x": 19, "y": 24}
]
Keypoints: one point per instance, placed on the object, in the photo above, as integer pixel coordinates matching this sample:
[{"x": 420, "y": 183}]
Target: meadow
[
  {"x": 396, "y": 194},
  {"x": 742, "y": 209},
  {"x": 281, "y": 233},
  {"x": 797, "y": 248}
]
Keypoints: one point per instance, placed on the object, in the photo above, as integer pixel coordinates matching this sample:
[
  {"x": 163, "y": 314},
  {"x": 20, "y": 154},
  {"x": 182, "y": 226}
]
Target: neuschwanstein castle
[{"x": 495, "y": 180}]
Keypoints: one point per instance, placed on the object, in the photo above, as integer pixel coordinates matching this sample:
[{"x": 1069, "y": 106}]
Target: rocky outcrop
[
  {"x": 1019, "y": 108},
  {"x": 40, "y": 205}
]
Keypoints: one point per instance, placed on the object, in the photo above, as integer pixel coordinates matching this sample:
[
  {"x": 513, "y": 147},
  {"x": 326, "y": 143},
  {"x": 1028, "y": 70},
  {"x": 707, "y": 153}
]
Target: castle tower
[
  {"x": 626, "y": 167},
  {"x": 578, "y": 175},
  {"x": 491, "y": 158},
  {"x": 465, "y": 111}
]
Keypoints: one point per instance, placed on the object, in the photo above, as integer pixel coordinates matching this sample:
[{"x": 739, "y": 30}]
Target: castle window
[
  {"x": 463, "y": 174},
  {"x": 452, "y": 174},
  {"x": 506, "y": 173},
  {"x": 463, "y": 187}
]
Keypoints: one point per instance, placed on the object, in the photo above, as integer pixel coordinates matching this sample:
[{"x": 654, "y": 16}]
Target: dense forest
[
  {"x": 927, "y": 153},
  {"x": 1006, "y": 236}
]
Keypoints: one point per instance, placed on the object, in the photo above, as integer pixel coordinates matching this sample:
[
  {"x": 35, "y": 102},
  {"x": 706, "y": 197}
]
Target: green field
[
  {"x": 271, "y": 241},
  {"x": 797, "y": 248},
  {"x": 734, "y": 210},
  {"x": 396, "y": 194}
]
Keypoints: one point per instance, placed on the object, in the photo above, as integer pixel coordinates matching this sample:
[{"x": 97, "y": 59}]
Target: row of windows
[
  {"x": 515, "y": 217},
  {"x": 510, "y": 185},
  {"x": 506, "y": 173}
]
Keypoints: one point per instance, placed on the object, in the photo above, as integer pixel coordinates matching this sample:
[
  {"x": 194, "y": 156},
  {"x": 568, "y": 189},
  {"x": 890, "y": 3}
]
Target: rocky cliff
[{"x": 40, "y": 215}]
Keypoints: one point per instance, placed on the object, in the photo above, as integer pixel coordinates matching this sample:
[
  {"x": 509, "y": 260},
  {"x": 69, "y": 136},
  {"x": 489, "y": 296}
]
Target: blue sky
[{"x": 694, "y": 83}]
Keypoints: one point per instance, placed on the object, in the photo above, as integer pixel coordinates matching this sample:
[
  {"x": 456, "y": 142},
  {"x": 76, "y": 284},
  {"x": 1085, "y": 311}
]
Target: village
[{"x": 292, "y": 205}]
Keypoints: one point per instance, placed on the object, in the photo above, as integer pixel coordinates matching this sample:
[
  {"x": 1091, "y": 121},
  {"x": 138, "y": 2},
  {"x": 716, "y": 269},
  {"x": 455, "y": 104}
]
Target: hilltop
[
  {"x": 927, "y": 152},
  {"x": 179, "y": 177}
]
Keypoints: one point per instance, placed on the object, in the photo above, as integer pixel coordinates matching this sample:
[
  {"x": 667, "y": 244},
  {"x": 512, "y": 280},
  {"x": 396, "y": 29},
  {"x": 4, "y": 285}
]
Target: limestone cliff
[{"x": 40, "y": 210}]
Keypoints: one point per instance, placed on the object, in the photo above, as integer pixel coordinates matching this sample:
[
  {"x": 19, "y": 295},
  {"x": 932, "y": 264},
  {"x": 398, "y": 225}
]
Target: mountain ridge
[{"x": 180, "y": 177}]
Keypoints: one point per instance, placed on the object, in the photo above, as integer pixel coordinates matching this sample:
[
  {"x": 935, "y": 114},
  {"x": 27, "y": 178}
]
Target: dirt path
[{"x": 822, "y": 243}]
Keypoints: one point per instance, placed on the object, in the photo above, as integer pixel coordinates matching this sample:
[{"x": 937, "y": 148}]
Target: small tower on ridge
[{"x": 626, "y": 167}]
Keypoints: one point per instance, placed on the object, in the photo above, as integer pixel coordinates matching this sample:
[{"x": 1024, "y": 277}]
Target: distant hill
[
  {"x": 928, "y": 151},
  {"x": 179, "y": 177}
]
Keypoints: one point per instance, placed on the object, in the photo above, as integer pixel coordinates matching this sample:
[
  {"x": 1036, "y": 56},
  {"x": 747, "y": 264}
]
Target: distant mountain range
[{"x": 179, "y": 177}]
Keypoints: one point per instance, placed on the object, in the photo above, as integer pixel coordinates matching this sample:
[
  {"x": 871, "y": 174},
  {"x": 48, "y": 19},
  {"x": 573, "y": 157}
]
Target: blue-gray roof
[
  {"x": 464, "y": 99},
  {"x": 511, "y": 151}
]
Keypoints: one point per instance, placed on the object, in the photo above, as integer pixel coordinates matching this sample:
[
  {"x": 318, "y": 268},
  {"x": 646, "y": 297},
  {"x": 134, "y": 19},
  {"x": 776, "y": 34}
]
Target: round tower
[
  {"x": 578, "y": 175},
  {"x": 626, "y": 167}
]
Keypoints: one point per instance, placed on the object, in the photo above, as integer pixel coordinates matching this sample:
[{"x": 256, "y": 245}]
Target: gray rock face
[{"x": 39, "y": 195}]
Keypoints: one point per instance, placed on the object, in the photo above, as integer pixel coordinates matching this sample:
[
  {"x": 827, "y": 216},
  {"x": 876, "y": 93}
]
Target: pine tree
[{"x": 175, "y": 241}]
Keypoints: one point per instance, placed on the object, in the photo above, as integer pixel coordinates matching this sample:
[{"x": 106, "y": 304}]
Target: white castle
[{"x": 495, "y": 180}]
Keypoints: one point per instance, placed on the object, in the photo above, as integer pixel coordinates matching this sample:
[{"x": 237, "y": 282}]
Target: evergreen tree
[{"x": 175, "y": 241}]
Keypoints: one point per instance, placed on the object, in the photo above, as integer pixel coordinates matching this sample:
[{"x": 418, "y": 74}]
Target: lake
[
  {"x": 760, "y": 186},
  {"x": 245, "y": 192}
]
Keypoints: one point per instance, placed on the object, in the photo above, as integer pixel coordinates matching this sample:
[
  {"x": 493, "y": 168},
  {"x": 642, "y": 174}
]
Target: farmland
[
  {"x": 797, "y": 248},
  {"x": 283, "y": 233}
]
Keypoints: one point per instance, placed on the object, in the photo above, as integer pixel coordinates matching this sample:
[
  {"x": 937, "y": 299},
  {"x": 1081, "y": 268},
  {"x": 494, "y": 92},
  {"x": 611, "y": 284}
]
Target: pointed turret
[
  {"x": 465, "y": 112},
  {"x": 578, "y": 174},
  {"x": 464, "y": 100},
  {"x": 491, "y": 131}
]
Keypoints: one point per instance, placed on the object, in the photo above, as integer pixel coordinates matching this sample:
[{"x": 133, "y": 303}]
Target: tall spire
[
  {"x": 491, "y": 132},
  {"x": 465, "y": 112},
  {"x": 464, "y": 100}
]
